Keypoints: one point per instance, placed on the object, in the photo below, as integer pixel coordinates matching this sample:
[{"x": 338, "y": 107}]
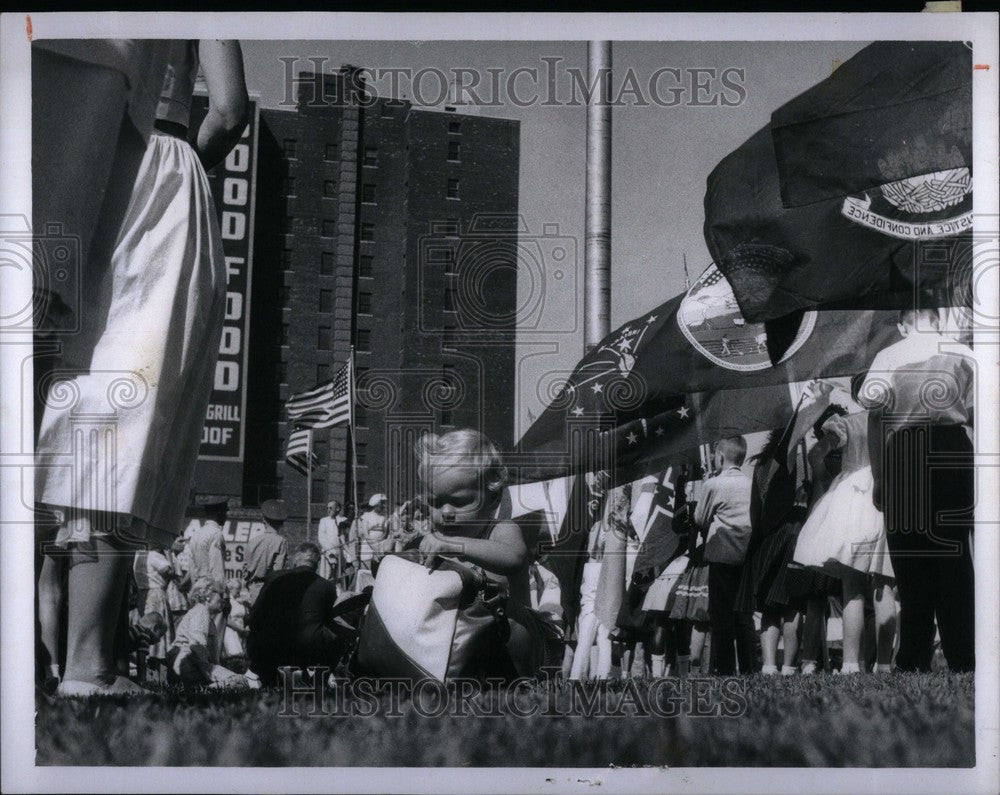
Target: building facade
[{"x": 391, "y": 231}]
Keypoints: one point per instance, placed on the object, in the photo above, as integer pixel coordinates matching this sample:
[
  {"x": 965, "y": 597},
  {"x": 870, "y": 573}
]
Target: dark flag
[
  {"x": 859, "y": 191},
  {"x": 690, "y": 371}
]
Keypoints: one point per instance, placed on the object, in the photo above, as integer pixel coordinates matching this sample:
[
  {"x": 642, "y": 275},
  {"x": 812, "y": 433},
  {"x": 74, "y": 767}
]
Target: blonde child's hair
[
  {"x": 463, "y": 447},
  {"x": 203, "y": 589}
]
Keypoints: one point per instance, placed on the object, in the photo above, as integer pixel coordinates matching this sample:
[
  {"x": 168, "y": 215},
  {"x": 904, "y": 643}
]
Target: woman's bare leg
[
  {"x": 854, "y": 621},
  {"x": 95, "y": 592},
  {"x": 885, "y": 623},
  {"x": 790, "y": 636}
]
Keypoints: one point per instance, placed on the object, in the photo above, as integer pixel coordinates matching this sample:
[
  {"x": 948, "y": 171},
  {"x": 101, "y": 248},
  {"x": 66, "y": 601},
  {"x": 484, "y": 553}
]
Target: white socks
[
  {"x": 850, "y": 668},
  {"x": 658, "y": 664},
  {"x": 789, "y": 670},
  {"x": 883, "y": 668},
  {"x": 808, "y": 666},
  {"x": 769, "y": 670}
]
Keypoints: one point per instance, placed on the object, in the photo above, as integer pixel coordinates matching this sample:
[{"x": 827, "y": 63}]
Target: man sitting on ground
[{"x": 291, "y": 623}]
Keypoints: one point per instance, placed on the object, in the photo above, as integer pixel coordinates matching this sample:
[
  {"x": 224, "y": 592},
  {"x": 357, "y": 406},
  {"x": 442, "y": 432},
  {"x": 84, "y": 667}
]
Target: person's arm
[
  {"x": 703, "y": 508},
  {"x": 160, "y": 565},
  {"x": 875, "y": 454},
  {"x": 198, "y": 639},
  {"x": 281, "y": 558},
  {"x": 236, "y": 623},
  {"x": 228, "y": 103},
  {"x": 217, "y": 557},
  {"x": 814, "y": 403},
  {"x": 503, "y": 553}
]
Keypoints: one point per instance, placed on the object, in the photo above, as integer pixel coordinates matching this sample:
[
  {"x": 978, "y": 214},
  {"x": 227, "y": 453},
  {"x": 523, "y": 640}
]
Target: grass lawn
[{"x": 863, "y": 721}]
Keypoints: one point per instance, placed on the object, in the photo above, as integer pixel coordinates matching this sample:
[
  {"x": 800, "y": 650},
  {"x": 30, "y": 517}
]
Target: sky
[{"x": 661, "y": 157}]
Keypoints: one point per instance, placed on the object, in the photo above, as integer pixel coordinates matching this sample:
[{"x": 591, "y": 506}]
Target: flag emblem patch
[{"x": 711, "y": 321}]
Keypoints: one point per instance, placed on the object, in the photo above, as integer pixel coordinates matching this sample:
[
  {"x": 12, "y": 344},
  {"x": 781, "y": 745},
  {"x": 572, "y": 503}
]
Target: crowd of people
[
  {"x": 884, "y": 516},
  {"x": 879, "y": 528}
]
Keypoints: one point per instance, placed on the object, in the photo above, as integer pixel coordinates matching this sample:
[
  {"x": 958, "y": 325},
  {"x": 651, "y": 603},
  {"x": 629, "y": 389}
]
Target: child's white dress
[{"x": 844, "y": 530}]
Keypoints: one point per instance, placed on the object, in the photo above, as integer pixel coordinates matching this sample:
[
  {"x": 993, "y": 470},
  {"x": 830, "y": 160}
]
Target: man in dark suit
[{"x": 291, "y": 623}]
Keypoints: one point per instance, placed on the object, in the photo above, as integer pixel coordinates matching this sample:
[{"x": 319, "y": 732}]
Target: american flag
[
  {"x": 300, "y": 451},
  {"x": 712, "y": 276},
  {"x": 326, "y": 405}
]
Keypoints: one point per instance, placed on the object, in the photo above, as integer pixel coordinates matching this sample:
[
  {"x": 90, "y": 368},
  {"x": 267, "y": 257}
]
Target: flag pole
[
  {"x": 597, "y": 234},
  {"x": 354, "y": 459},
  {"x": 309, "y": 483}
]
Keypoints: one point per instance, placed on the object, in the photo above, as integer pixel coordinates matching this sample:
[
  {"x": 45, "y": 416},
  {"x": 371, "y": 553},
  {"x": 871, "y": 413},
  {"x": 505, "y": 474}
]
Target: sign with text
[
  {"x": 233, "y": 184},
  {"x": 236, "y": 533}
]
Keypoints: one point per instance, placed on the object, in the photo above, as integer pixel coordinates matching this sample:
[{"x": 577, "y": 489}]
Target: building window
[
  {"x": 364, "y": 340},
  {"x": 447, "y": 417},
  {"x": 329, "y": 188},
  {"x": 362, "y": 495},
  {"x": 368, "y": 193},
  {"x": 285, "y": 225},
  {"x": 371, "y": 156},
  {"x": 327, "y": 262},
  {"x": 452, "y": 188},
  {"x": 331, "y": 152},
  {"x": 366, "y": 264},
  {"x": 364, "y": 304},
  {"x": 288, "y": 186},
  {"x": 290, "y": 148},
  {"x": 454, "y": 151},
  {"x": 286, "y": 258},
  {"x": 329, "y": 228},
  {"x": 284, "y": 333},
  {"x": 326, "y": 300},
  {"x": 283, "y": 295},
  {"x": 323, "y": 337},
  {"x": 360, "y": 417},
  {"x": 367, "y": 232},
  {"x": 455, "y": 127},
  {"x": 361, "y": 451},
  {"x": 282, "y": 372},
  {"x": 322, "y": 373}
]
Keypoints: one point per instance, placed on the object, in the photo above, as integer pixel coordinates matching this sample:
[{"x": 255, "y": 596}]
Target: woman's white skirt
[
  {"x": 122, "y": 422},
  {"x": 845, "y": 531}
]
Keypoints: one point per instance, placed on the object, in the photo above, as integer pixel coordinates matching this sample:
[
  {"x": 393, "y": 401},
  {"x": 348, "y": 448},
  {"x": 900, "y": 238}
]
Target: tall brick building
[{"x": 392, "y": 230}]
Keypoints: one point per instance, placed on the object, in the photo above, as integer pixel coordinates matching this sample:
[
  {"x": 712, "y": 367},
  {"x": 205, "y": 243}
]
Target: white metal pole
[{"x": 597, "y": 233}]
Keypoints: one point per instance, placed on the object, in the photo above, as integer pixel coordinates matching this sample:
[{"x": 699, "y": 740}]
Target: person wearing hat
[
  {"x": 207, "y": 548},
  {"x": 329, "y": 541},
  {"x": 267, "y": 551},
  {"x": 207, "y": 543},
  {"x": 371, "y": 530}
]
